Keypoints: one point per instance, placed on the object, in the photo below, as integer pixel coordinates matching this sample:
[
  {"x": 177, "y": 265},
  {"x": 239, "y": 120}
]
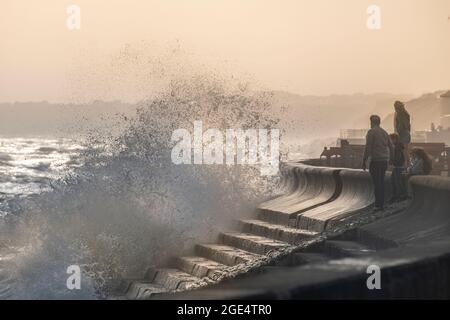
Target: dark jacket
[
  {"x": 398, "y": 160},
  {"x": 379, "y": 146}
]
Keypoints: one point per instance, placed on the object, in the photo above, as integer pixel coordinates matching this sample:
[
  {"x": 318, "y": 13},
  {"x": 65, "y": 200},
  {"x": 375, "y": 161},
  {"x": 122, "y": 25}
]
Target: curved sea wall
[
  {"x": 322, "y": 197},
  {"x": 314, "y": 186},
  {"x": 356, "y": 194}
]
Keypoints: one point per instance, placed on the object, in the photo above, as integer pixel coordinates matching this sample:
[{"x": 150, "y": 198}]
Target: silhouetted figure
[
  {"x": 379, "y": 149},
  {"x": 399, "y": 191},
  {"x": 402, "y": 126},
  {"x": 421, "y": 163}
]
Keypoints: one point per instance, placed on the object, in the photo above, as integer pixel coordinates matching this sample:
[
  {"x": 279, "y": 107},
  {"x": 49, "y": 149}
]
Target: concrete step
[
  {"x": 140, "y": 290},
  {"x": 310, "y": 223},
  {"x": 171, "y": 279},
  {"x": 200, "y": 267},
  {"x": 277, "y": 217},
  {"x": 251, "y": 243},
  {"x": 342, "y": 249},
  {"x": 224, "y": 254},
  {"x": 276, "y": 231}
]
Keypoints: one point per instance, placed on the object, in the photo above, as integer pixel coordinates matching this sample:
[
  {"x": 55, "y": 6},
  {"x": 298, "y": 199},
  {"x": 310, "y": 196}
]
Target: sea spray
[{"x": 129, "y": 207}]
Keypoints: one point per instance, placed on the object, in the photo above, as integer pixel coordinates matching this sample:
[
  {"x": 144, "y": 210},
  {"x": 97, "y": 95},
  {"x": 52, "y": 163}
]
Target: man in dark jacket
[{"x": 379, "y": 149}]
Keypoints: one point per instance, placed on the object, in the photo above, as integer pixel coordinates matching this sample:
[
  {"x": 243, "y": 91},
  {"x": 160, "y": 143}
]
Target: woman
[
  {"x": 402, "y": 126},
  {"x": 421, "y": 163}
]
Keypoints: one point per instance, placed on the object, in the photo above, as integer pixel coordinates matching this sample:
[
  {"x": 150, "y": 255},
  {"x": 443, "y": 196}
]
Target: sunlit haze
[{"x": 305, "y": 47}]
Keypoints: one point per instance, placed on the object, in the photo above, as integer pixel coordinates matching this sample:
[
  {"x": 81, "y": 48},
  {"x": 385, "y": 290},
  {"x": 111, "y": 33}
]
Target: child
[
  {"x": 397, "y": 178},
  {"x": 421, "y": 163}
]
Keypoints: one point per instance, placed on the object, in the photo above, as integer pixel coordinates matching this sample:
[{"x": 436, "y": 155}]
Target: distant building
[
  {"x": 353, "y": 136},
  {"x": 442, "y": 132},
  {"x": 445, "y": 110},
  {"x": 438, "y": 134},
  {"x": 419, "y": 136}
]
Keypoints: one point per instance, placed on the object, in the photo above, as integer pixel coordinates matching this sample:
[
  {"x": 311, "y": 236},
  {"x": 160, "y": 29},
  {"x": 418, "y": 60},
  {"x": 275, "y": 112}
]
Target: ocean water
[{"x": 29, "y": 165}]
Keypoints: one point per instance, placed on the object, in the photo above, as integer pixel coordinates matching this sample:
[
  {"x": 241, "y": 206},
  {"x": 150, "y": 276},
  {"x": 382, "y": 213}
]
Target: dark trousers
[
  {"x": 377, "y": 170},
  {"x": 398, "y": 183}
]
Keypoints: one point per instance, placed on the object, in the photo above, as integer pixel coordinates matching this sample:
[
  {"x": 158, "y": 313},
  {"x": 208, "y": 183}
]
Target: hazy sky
[{"x": 304, "y": 46}]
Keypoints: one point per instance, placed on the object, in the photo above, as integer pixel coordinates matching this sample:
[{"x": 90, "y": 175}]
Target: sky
[{"x": 309, "y": 47}]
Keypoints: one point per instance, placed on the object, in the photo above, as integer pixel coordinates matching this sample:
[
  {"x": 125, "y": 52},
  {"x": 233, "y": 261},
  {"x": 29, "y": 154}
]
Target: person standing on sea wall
[
  {"x": 379, "y": 150},
  {"x": 402, "y": 127},
  {"x": 398, "y": 180}
]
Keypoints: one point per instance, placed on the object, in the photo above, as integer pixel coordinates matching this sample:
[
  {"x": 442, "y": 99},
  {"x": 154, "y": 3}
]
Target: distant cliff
[
  {"x": 47, "y": 119},
  {"x": 305, "y": 118}
]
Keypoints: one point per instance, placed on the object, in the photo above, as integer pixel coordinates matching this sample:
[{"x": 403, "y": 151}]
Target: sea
[{"x": 29, "y": 166}]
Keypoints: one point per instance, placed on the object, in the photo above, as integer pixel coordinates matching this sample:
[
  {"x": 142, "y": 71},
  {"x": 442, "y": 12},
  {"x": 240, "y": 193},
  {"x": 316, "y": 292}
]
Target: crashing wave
[{"x": 129, "y": 207}]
